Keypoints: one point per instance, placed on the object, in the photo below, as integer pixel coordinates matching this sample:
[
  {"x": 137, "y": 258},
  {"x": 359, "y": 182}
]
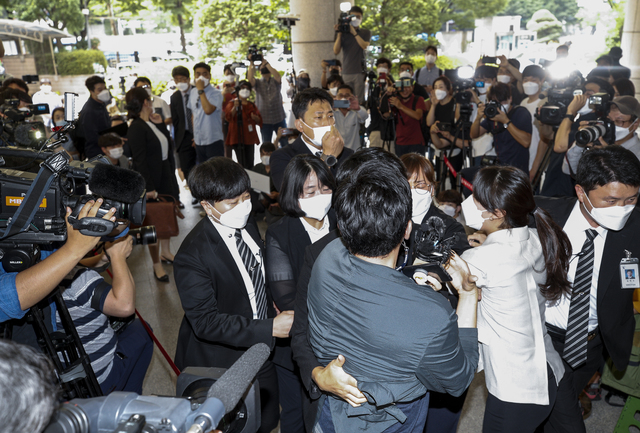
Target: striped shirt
[{"x": 85, "y": 299}]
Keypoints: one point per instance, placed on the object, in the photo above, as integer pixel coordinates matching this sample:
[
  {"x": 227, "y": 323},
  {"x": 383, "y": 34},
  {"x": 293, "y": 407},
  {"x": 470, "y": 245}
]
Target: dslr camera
[
  {"x": 255, "y": 54},
  {"x": 603, "y": 127},
  {"x": 432, "y": 249},
  {"x": 491, "y": 109},
  {"x": 16, "y": 131}
]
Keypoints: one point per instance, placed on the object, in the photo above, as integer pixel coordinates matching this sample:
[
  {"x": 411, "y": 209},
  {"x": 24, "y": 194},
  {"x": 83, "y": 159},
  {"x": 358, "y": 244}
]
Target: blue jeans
[
  {"x": 208, "y": 151},
  {"x": 268, "y": 129}
]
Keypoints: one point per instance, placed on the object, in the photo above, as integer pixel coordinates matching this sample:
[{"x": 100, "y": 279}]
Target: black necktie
[
  {"x": 189, "y": 113},
  {"x": 255, "y": 273},
  {"x": 575, "y": 343}
]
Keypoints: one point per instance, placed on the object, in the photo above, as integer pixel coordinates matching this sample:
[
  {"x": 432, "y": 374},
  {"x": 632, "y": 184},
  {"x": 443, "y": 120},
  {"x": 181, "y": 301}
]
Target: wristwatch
[
  {"x": 330, "y": 160},
  {"x": 570, "y": 116},
  {"x": 200, "y": 92}
]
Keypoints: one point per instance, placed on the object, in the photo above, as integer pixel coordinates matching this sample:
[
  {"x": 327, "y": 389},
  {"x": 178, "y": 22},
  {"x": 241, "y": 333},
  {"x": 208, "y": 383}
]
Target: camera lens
[
  {"x": 144, "y": 235},
  {"x": 590, "y": 134}
]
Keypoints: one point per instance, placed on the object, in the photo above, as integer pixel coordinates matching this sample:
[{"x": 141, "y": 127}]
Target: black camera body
[
  {"x": 256, "y": 54},
  {"x": 432, "y": 248},
  {"x": 16, "y": 131},
  {"x": 491, "y": 109},
  {"x": 555, "y": 109},
  {"x": 446, "y": 126},
  {"x": 344, "y": 22}
]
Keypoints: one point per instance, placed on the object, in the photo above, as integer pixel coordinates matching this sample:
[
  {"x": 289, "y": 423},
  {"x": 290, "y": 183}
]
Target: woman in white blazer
[{"x": 518, "y": 269}]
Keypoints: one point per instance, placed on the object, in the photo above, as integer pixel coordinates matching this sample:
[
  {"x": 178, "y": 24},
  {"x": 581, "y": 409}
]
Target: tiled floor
[{"x": 159, "y": 304}]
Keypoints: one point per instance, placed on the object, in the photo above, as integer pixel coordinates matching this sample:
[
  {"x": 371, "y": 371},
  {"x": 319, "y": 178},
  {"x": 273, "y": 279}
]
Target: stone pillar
[
  {"x": 313, "y": 36},
  {"x": 631, "y": 42}
]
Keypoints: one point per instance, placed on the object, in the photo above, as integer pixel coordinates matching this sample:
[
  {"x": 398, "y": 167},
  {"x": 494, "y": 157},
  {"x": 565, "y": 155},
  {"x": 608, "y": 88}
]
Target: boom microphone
[{"x": 116, "y": 183}]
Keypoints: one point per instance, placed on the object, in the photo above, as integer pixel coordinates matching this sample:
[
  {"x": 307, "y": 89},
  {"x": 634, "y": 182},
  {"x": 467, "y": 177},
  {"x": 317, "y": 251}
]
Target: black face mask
[
  {"x": 264, "y": 71},
  {"x": 303, "y": 83}
]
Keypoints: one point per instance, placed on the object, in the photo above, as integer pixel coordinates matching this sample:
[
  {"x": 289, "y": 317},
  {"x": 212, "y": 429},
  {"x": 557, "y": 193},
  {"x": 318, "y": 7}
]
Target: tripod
[{"x": 460, "y": 132}]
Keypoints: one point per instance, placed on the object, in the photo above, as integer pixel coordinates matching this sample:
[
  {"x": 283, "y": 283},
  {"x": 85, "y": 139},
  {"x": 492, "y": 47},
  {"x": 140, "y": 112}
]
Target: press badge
[
  {"x": 629, "y": 272},
  {"x": 250, "y": 128}
]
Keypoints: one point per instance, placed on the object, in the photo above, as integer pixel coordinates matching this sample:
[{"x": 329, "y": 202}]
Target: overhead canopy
[{"x": 27, "y": 30}]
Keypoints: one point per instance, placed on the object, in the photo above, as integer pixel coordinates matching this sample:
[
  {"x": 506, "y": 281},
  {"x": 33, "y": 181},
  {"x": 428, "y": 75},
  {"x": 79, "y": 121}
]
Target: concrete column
[
  {"x": 631, "y": 42},
  {"x": 312, "y": 36}
]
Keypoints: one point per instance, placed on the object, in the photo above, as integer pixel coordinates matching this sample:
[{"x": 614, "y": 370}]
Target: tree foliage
[
  {"x": 395, "y": 25},
  {"x": 79, "y": 62},
  {"x": 546, "y": 26},
  {"x": 237, "y": 24},
  {"x": 465, "y": 12},
  {"x": 563, "y": 10},
  {"x": 59, "y": 14}
]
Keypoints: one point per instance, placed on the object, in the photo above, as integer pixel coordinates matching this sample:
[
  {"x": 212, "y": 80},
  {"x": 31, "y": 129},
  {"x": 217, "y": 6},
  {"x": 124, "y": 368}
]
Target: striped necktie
[
  {"x": 255, "y": 273},
  {"x": 575, "y": 343}
]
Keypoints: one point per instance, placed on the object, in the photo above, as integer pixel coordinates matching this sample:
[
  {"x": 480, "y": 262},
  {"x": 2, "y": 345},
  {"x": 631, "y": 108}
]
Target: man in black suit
[
  {"x": 219, "y": 272},
  {"x": 182, "y": 120},
  {"x": 602, "y": 222},
  {"x": 313, "y": 110}
]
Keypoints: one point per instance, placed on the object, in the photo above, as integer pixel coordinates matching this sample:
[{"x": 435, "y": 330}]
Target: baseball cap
[{"x": 628, "y": 105}]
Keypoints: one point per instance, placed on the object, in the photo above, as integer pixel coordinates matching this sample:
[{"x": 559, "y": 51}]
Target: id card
[
  {"x": 250, "y": 128},
  {"x": 629, "y": 272}
]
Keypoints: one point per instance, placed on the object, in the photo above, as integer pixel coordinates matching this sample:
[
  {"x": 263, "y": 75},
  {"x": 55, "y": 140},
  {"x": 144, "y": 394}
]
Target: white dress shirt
[
  {"x": 164, "y": 143},
  {"x": 228, "y": 236},
  {"x": 314, "y": 233},
  {"x": 512, "y": 337},
  {"x": 575, "y": 228}
]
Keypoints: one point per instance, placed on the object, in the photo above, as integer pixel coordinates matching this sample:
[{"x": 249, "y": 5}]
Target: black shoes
[{"x": 162, "y": 279}]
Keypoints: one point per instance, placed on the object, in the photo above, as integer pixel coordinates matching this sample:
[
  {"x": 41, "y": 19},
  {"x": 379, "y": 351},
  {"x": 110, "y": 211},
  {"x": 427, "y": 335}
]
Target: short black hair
[
  {"x": 605, "y": 58},
  {"x": 406, "y": 63},
  {"x": 345, "y": 86},
  {"x": 307, "y": 97},
  {"x": 92, "y": 81},
  {"x": 245, "y": 83},
  {"x": 450, "y": 196},
  {"x": 333, "y": 78},
  {"x": 134, "y": 100},
  {"x": 356, "y": 9},
  {"x": 141, "y": 80},
  {"x": 499, "y": 92},
  {"x": 515, "y": 63},
  {"x": 202, "y": 65},
  {"x": 11, "y": 93},
  {"x": 383, "y": 60},
  {"x": 267, "y": 147},
  {"x": 226, "y": 68},
  {"x": 599, "y": 167},
  {"x": 373, "y": 210},
  {"x": 218, "y": 179},
  {"x": 365, "y": 157},
  {"x": 109, "y": 139},
  {"x": 180, "y": 71},
  {"x": 431, "y": 47},
  {"x": 534, "y": 71},
  {"x": 486, "y": 71},
  {"x": 296, "y": 173},
  {"x": 625, "y": 87},
  {"x": 605, "y": 87},
  {"x": 54, "y": 111},
  {"x": 17, "y": 81},
  {"x": 446, "y": 81}
]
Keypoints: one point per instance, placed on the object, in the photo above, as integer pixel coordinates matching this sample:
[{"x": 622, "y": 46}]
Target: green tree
[
  {"x": 59, "y": 14},
  {"x": 395, "y": 25},
  {"x": 465, "y": 12},
  {"x": 563, "y": 10},
  {"x": 546, "y": 26},
  {"x": 180, "y": 15},
  {"x": 237, "y": 24}
]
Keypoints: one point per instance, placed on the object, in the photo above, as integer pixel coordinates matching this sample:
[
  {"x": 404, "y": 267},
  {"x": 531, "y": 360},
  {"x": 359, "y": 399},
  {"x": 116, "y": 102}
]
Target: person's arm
[
  {"x": 207, "y": 106},
  {"x": 332, "y": 143},
  {"x": 542, "y": 149},
  {"x": 230, "y": 110},
  {"x": 361, "y": 42},
  {"x": 137, "y": 139},
  {"x": 572, "y": 158},
  {"x": 323, "y": 78},
  {"x": 36, "y": 282},
  {"x": 274, "y": 73},
  {"x": 121, "y": 300},
  {"x": 512, "y": 69},
  {"x": 279, "y": 273},
  {"x": 520, "y": 135},
  {"x": 251, "y": 73},
  {"x": 477, "y": 130},
  {"x": 362, "y": 115},
  {"x": 337, "y": 44},
  {"x": 431, "y": 116},
  {"x": 414, "y": 114},
  {"x": 561, "y": 143}
]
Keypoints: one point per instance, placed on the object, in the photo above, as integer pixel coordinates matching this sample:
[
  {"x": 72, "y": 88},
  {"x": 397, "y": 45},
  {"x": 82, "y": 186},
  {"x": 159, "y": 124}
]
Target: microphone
[{"x": 116, "y": 183}]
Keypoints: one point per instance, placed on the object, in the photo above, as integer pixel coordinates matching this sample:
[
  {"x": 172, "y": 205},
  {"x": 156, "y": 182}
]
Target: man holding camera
[
  {"x": 377, "y": 125},
  {"x": 335, "y": 68},
  {"x": 625, "y": 115},
  {"x": 268, "y": 99},
  {"x": 353, "y": 43},
  {"x": 349, "y": 115},
  {"x": 510, "y": 126},
  {"x": 408, "y": 109}
]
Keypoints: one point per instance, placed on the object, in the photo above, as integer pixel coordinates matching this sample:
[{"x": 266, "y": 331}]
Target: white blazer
[{"x": 512, "y": 337}]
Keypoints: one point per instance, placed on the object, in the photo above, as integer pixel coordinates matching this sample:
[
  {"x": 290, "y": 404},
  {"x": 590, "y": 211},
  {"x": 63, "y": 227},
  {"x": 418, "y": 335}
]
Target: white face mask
[
  {"x": 585, "y": 109},
  {"x": 356, "y": 22},
  {"x": 60, "y": 123},
  {"x": 265, "y": 159},
  {"x": 505, "y": 107},
  {"x": 206, "y": 81},
  {"x": 503, "y": 78},
  {"x": 45, "y": 88},
  {"x": 318, "y": 133},
  {"x": 230, "y": 78},
  {"x": 183, "y": 87},
  {"x": 316, "y": 207},
  {"x": 237, "y": 217},
  {"x": 430, "y": 58},
  {"x": 449, "y": 210},
  {"x": 485, "y": 89},
  {"x": 104, "y": 96},
  {"x": 441, "y": 94},
  {"x": 383, "y": 71},
  {"x": 611, "y": 218},
  {"x": 421, "y": 200},
  {"x": 472, "y": 216},
  {"x": 405, "y": 74},
  {"x": 622, "y": 132},
  {"x": 333, "y": 91},
  {"x": 116, "y": 152},
  {"x": 244, "y": 93},
  {"x": 530, "y": 88}
]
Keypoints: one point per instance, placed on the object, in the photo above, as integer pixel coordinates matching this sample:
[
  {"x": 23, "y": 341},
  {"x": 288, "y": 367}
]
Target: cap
[
  {"x": 45, "y": 81},
  {"x": 628, "y": 105}
]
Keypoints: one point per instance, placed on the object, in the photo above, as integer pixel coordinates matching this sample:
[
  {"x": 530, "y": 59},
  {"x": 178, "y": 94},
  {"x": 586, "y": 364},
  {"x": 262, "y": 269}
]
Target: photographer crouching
[
  {"x": 618, "y": 127},
  {"x": 509, "y": 125}
]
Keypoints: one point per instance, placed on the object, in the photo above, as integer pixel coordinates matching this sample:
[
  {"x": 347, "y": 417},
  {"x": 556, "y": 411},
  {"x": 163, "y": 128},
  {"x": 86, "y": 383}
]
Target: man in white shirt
[
  {"x": 348, "y": 119},
  {"x": 532, "y": 78},
  {"x": 46, "y": 96},
  {"x": 602, "y": 225}
]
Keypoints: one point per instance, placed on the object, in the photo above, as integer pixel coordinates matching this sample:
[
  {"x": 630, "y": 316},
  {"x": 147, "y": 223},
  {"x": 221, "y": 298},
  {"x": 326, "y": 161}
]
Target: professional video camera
[
  {"x": 603, "y": 127},
  {"x": 463, "y": 83},
  {"x": 231, "y": 404},
  {"x": 559, "y": 98},
  {"x": 344, "y": 22},
  {"x": 432, "y": 249},
  {"x": 16, "y": 131},
  {"x": 256, "y": 54}
]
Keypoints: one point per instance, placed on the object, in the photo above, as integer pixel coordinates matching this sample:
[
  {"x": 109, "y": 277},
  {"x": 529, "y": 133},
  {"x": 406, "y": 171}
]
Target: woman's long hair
[{"x": 508, "y": 189}]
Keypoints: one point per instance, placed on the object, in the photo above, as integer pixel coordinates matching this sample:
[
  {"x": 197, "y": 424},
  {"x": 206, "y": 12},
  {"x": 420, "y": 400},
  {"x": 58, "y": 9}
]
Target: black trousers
[
  {"x": 244, "y": 155},
  {"x": 566, "y": 415},
  {"x": 269, "y": 404},
  {"x": 186, "y": 154}
]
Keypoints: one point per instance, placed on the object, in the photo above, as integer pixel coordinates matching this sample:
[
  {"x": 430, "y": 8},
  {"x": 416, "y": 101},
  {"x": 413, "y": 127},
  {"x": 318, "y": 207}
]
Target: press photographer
[
  {"x": 624, "y": 117},
  {"x": 377, "y": 87},
  {"x": 353, "y": 41},
  {"x": 510, "y": 127},
  {"x": 400, "y": 103}
]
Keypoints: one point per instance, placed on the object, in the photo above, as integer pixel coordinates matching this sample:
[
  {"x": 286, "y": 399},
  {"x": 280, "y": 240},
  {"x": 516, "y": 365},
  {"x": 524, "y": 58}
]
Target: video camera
[
  {"x": 559, "y": 98},
  {"x": 16, "y": 131},
  {"x": 463, "y": 83},
  {"x": 344, "y": 22},
  {"x": 603, "y": 127},
  {"x": 255, "y": 54}
]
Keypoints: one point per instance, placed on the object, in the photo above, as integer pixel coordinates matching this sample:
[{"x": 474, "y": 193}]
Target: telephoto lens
[
  {"x": 144, "y": 235},
  {"x": 590, "y": 134}
]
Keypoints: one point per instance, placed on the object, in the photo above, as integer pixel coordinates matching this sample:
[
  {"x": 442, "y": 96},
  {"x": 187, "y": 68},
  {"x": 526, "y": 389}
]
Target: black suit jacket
[
  {"x": 614, "y": 305},
  {"x": 281, "y": 157},
  {"x": 147, "y": 154},
  {"x": 218, "y": 325},
  {"x": 179, "y": 119}
]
